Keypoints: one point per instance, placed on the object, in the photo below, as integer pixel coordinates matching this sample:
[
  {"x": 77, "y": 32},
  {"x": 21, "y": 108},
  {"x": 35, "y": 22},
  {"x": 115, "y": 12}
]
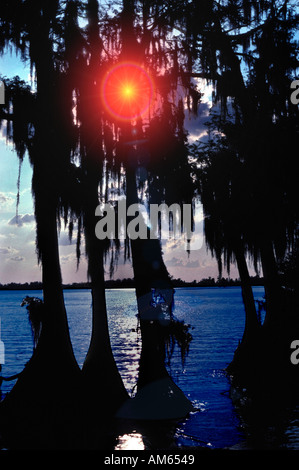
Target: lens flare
[{"x": 127, "y": 91}]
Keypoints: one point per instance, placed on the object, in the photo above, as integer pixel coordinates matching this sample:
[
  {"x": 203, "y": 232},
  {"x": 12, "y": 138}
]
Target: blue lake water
[{"x": 216, "y": 316}]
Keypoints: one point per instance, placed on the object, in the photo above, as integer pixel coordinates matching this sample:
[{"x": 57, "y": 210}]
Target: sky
[{"x": 18, "y": 260}]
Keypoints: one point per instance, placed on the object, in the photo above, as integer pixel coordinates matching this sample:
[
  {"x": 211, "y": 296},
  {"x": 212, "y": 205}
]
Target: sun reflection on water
[{"x": 131, "y": 441}]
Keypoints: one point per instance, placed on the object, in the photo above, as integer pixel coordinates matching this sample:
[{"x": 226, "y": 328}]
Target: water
[{"x": 216, "y": 316}]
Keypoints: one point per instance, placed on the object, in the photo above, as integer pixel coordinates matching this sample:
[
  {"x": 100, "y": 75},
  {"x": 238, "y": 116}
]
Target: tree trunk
[
  {"x": 151, "y": 279},
  {"x": 105, "y": 390},
  {"x": 149, "y": 273},
  {"x": 273, "y": 290},
  {"x": 105, "y": 387},
  {"x": 158, "y": 397},
  {"x": 46, "y": 395},
  {"x": 246, "y": 354},
  {"x": 251, "y": 320}
]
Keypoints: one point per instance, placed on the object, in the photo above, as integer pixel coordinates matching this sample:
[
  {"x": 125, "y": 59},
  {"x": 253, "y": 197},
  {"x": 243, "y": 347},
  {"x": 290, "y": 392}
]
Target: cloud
[
  {"x": 6, "y": 200},
  {"x": 3, "y": 135},
  {"x": 8, "y": 251},
  {"x": 173, "y": 244},
  {"x": 67, "y": 259},
  {"x": 196, "y": 125},
  {"x": 28, "y": 218},
  {"x": 192, "y": 264},
  {"x": 17, "y": 258},
  {"x": 178, "y": 263},
  {"x": 174, "y": 263},
  {"x": 20, "y": 219},
  {"x": 64, "y": 239}
]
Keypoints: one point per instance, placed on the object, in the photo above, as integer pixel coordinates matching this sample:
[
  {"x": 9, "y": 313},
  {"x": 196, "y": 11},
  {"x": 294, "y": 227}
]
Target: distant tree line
[{"x": 130, "y": 283}]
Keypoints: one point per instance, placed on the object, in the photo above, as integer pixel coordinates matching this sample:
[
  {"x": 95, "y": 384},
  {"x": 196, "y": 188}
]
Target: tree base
[
  {"x": 262, "y": 366},
  {"x": 159, "y": 400}
]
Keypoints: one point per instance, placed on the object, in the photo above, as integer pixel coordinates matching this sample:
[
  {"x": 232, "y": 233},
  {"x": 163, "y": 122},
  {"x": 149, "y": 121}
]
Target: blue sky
[{"x": 18, "y": 262}]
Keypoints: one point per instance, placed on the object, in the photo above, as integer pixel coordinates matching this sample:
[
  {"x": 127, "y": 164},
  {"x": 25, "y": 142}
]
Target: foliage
[
  {"x": 245, "y": 170},
  {"x": 35, "y": 309},
  {"x": 177, "y": 332}
]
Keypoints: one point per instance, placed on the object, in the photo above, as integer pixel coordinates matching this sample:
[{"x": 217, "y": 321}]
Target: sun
[{"x": 127, "y": 91}]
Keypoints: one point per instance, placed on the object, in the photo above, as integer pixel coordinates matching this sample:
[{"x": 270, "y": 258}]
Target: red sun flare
[{"x": 127, "y": 91}]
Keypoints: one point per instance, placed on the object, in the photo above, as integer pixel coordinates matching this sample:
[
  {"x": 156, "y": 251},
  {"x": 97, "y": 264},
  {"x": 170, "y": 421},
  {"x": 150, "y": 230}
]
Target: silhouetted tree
[
  {"x": 221, "y": 185},
  {"x": 31, "y": 28},
  {"x": 152, "y": 163},
  {"x": 104, "y": 387},
  {"x": 256, "y": 214}
]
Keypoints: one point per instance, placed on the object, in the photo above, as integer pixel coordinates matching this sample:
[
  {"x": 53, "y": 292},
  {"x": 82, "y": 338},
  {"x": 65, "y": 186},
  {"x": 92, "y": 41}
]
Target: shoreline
[{"x": 256, "y": 281}]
